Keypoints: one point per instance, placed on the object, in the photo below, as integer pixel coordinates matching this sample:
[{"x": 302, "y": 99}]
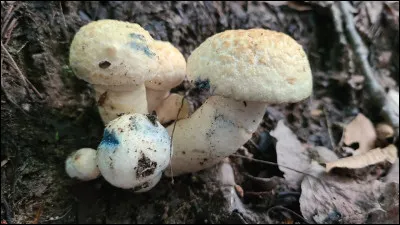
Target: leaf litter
[{"x": 328, "y": 197}]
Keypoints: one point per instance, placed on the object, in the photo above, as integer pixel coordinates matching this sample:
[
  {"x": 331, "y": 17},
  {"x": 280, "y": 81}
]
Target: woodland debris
[
  {"x": 371, "y": 157},
  {"x": 360, "y": 131},
  {"x": 379, "y": 98},
  {"x": 290, "y": 153},
  {"x": 350, "y": 200}
]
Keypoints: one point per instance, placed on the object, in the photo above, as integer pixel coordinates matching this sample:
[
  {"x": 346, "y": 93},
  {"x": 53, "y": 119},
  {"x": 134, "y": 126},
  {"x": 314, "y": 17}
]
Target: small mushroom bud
[
  {"x": 82, "y": 164},
  {"x": 171, "y": 73},
  {"x": 134, "y": 151}
]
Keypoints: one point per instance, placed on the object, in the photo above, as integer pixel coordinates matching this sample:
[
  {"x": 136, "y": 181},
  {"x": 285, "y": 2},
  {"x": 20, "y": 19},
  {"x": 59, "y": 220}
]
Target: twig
[
  {"x": 12, "y": 25},
  {"x": 7, "y": 210},
  {"x": 274, "y": 164},
  {"x": 62, "y": 14},
  {"x": 329, "y": 126},
  {"x": 19, "y": 71},
  {"x": 288, "y": 210},
  {"x": 172, "y": 136},
  {"x": 60, "y": 217},
  {"x": 376, "y": 91},
  {"x": 7, "y": 18}
]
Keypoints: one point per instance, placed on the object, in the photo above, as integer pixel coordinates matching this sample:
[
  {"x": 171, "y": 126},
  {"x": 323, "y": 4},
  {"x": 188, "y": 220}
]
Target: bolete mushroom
[
  {"x": 82, "y": 165},
  {"x": 247, "y": 70},
  {"x": 117, "y": 58},
  {"x": 134, "y": 151},
  {"x": 171, "y": 73}
]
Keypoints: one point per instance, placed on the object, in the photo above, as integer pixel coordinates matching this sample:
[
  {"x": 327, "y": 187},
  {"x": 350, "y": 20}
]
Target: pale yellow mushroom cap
[
  {"x": 172, "y": 69},
  {"x": 112, "y": 52},
  {"x": 253, "y": 65}
]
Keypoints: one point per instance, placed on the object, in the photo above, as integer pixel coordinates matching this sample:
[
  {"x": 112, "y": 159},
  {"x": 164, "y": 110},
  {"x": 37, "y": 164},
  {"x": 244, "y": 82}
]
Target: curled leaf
[
  {"x": 372, "y": 157},
  {"x": 360, "y": 130}
]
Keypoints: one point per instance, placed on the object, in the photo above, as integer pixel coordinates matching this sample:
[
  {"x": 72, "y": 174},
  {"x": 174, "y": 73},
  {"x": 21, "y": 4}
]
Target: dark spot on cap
[
  {"x": 146, "y": 167},
  {"x": 104, "y": 64},
  {"x": 245, "y": 103}
]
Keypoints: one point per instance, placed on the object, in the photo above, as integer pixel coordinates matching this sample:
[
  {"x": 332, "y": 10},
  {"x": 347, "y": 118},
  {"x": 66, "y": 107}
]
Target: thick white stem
[
  {"x": 155, "y": 98},
  {"x": 113, "y": 102},
  {"x": 214, "y": 131}
]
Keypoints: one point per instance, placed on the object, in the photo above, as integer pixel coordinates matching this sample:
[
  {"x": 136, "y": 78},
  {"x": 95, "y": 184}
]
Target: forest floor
[{"x": 47, "y": 113}]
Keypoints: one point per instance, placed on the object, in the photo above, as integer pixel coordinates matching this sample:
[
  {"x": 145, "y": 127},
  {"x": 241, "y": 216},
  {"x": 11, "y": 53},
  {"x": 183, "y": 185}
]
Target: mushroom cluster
[
  {"x": 133, "y": 153},
  {"x": 129, "y": 70},
  {"x": 133, "y": 74}
]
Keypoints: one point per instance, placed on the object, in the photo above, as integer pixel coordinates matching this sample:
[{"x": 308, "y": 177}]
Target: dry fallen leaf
[
  {"x": 371, "y": 157},
  {"x": 384, "y": 131},
  {"x": 276, "y": 3},
  {"x": 393, "y": 174},
  {"x": 290, "y": 153},
  {"x": 345, "y": 199},
  {"x": 360, "y": 130}
]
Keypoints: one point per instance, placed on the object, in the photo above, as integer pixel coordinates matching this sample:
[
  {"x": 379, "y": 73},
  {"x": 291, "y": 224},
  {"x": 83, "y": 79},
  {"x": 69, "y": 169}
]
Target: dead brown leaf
[
  {"x": 290, "y": 153},
  {"x": 276, "y": 3},
  {"x": 393, "y": 174},
  {"x": 298, "y": 6},
  {"x": 384, "y": 131},
  {"x": 331, "y": 196},
  {"x": 360, "y": 130},
  {"x": 371, "y": 157}
]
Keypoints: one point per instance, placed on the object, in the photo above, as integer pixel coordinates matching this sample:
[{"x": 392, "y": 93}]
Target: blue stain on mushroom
[
  {"x": 142, "y": 47},
  {"x": 139, "y": 44},
  {"x": 109, "y": 140},
  {"x": 137, "y": 36}
]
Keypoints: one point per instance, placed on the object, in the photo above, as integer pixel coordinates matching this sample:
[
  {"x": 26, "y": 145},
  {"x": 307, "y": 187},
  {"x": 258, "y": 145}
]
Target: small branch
[
  {"x": 7, "y": 210},
  {"x": 329, "y": 126},
  {"x": 287, "y": 210},
  {"x": 375, "y": 90},
  {"x": 19, "y": 71},
  {"x": 274, "y": 164},
  {"x": 172, "y": 136}
]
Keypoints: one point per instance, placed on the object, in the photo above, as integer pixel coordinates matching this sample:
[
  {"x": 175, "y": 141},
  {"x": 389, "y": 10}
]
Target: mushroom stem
[
  {"x": 154, "y": 98},
  {"x": 112, "y": 102},
  {"x": 172, "y": 105},
  {"x": 214, "y": 131}
]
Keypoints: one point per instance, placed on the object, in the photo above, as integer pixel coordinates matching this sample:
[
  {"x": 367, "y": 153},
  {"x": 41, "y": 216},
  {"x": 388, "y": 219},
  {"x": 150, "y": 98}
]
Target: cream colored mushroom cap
[
  {"x": 172, "y": 69},
  {"x": 253, "y": 65},
  {"x": 112, "y": 52}
]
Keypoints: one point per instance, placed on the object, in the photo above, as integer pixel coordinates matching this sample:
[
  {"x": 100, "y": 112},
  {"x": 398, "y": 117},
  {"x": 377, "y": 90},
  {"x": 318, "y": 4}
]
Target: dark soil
[{"x": 39, "y": 131}]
